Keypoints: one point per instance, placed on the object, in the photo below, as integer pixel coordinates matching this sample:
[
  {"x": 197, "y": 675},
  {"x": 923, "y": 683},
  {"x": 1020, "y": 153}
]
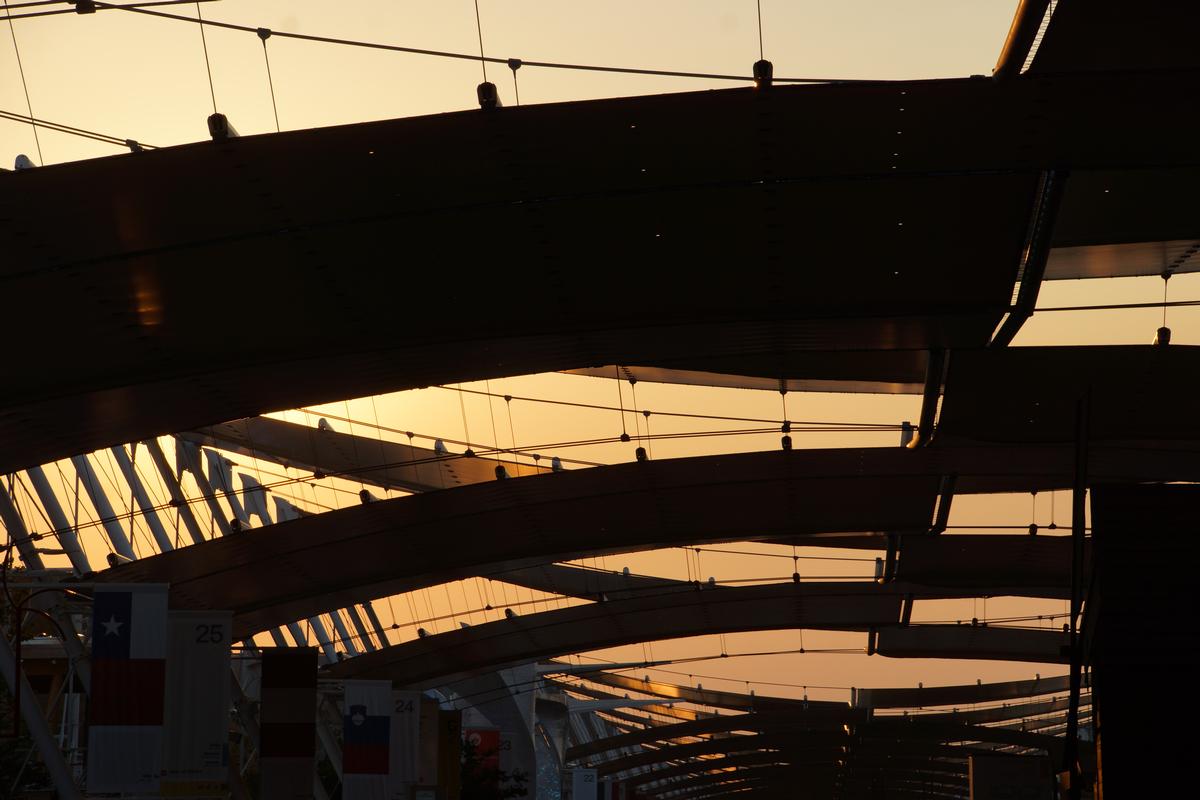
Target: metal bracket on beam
[
  {"x": 935, "y": 377},
  {"x": 941, "y": 515},
  {"x": 889, "y": 565},
  {"x": 1036, "y": 253},
  {"x": 1021, "y": 35}
]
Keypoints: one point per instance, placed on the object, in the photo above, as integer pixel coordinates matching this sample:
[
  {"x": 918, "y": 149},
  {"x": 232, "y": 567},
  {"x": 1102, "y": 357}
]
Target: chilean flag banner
[
  {"x": 129, "y": 650},
  {"x": 366, "y": 740}
]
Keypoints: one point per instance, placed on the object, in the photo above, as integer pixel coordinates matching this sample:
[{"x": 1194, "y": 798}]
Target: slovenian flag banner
[
  {"x": 129, "y": 651},
  {"x": 366, "y": 739}
]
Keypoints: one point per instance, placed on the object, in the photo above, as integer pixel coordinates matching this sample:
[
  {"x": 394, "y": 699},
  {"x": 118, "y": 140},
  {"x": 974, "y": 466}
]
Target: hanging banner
[
  {"x": 449, "y": 755},
  {"x": 196, "y": 709},
  {"x": 611, "y": 789},
  {"x": 366, "y": 739},
  {"x": 405, "y": 744},
  {"x": 427, "y": 750},
  {"x": 583, "y": 784},
  {"x": 288, "y": 718},
  {"x": 129, "y": 649},
  {"x": 486, "y": 742}
]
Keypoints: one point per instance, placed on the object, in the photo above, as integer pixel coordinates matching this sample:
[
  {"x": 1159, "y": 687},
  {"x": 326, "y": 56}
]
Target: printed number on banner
[{"x": 210, "y": 634}]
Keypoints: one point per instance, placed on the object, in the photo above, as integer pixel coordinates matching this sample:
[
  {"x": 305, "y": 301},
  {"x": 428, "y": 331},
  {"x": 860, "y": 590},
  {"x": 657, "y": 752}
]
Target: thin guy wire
[
  {"x": 70, "y": 129},
  {"x": 479, "y": 31},
  {"x": 492, "y": 416},
  {"x": 490, "y": 59},
  {"x": 760, "y": 38},
  {"x": 882, "y": 426},
  {"x": 207, "y": 65},
  {"x": 56, "y": 12},
  {"x": 270, "y": 83},
  {"x": 21, "y": 69},
  {"x": 620, "y": 400}
]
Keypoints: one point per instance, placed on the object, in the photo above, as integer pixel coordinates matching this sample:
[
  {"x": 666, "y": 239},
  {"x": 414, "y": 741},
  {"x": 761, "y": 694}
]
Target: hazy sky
[{"x": 144, "y": 78}]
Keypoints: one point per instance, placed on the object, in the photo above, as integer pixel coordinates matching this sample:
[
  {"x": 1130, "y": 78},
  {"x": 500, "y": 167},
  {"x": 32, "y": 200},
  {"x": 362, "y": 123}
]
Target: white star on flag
[{"x": 112, "y": 627}]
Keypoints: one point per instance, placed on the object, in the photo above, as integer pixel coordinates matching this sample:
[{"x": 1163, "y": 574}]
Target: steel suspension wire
[
  {"x": 25, "y": 86},
  {"x": 479, "y": 31},
  {"x": 488, "y": 59},
  {"x": 59, "y": 127},
  {"x": 264, "y": 34},
  {"x": 882, "y": 426},
  {"x": 207, "y": 65},
  {"x": 760, "y": 36},
  {"x": 32, "y": 14}
]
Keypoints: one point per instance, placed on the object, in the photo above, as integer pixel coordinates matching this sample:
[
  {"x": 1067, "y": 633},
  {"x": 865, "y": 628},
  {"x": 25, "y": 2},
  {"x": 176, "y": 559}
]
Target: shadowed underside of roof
[
  {"x": 798, "y": 205},
  {"x": 1087, "y": 35},
  {"x": 1033, "y": 395}
]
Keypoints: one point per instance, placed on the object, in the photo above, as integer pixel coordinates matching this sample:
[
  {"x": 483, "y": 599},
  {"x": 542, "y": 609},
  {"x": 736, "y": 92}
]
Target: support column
[
  {"x": 1078, "y": 525},
  {"x": 108, "y": 517},
  {"x": 380, "y": 631},
  {"x": 178, "y": 499},
  {"x": 1140, "y": 635},
  {"x": 65, "y": 533},
  {"x": 190, "y": 455},
  {"x": 360, "y": 628},
  {"x": 142, "y": 499}
]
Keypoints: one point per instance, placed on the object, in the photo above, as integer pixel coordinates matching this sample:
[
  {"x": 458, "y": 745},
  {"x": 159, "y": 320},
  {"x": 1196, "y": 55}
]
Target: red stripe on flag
[
  {"x": 365, "y": 759},
  {"x": 128, "y": 691}
]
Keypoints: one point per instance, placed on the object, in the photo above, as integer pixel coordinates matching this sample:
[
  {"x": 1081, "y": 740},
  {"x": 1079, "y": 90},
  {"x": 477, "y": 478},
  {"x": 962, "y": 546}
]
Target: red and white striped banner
[
  {"x": 129, "y": 650},
  {"x": 287, "y": 724}
]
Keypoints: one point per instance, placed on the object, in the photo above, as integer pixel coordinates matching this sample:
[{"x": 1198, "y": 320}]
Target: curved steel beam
[
  {"x": 815, "y": 709},
  {"x": 875, "y": 739},
  {"x": 705, "y": 767},
  {"x": 962, "y": 695},
  {"x": 1026, "y": 22},
  {"x": 725, "y": 724},
  {"x": 435, "y": 660},
  {"x": 291, "y": 570},
  {"x": 296, "y": 569}
]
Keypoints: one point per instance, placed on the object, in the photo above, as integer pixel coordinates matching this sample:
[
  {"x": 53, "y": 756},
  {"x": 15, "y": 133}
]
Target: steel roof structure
[{"x": 888, "y": 236}]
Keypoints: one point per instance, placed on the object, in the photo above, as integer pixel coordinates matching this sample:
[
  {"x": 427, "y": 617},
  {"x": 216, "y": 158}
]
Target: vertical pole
[
  {"x": 39, "y": 731},
  {"x": 1078, "y": 523},
  {"x": 108, "y": 517},
  {"x": 178, "y": 500},
  {"x": 62, "y": 528},
  {"x": 142, "y": 499}
]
